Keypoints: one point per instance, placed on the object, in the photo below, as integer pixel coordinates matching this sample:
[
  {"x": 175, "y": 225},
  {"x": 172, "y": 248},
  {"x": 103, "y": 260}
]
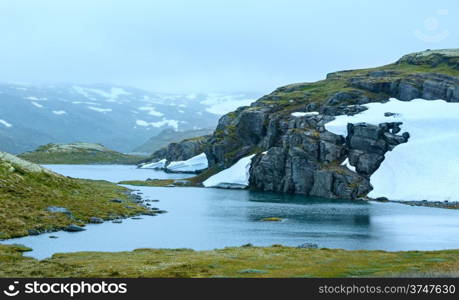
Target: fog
[{"x": 212, "y": 45}]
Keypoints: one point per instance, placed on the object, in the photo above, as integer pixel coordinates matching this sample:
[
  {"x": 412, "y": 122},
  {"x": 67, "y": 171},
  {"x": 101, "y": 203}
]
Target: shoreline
[{"x": 245, "y": 261}]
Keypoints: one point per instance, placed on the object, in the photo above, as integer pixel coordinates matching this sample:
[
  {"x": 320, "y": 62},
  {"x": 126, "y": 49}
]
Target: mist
[{"x": 212, "y": 45}]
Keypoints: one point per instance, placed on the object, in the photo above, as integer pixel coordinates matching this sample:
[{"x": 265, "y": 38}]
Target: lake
[{"x": 203, "y": 219}]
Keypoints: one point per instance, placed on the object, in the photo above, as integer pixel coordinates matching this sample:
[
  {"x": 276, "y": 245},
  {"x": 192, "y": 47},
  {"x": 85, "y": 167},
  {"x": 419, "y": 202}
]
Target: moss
[
  {"x": 276, "y": 261},
  {"x": 25, "y": 195}
]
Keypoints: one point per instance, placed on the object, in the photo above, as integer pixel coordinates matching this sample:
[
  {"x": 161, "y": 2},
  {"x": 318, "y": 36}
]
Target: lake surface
[
  {"x": 113, "y": 173},
  {"x": 212, "y": 218}
]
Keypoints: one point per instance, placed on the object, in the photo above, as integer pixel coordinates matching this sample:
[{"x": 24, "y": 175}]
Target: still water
[
  {"x": 211, "y": 218},
  {"x": 113, "y": 173}
]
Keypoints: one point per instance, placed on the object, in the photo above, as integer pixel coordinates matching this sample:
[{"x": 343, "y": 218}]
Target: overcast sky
[{"x": 212, "y": 45}]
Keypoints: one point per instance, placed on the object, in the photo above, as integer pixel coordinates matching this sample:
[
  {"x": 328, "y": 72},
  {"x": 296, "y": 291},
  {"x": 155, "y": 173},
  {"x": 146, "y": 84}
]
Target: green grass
[
  {"x": 274, "y": 261},
  {"x": 25, "y": 195},
  {"x": 82, "y": 157}
]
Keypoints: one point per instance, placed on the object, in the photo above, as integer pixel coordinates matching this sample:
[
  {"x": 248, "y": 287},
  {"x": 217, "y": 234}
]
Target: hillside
[
  {"x": 120, "y": 118},
  {"x": 28, "y": 191},
  {"x": 78, "y": 153},
  {"x": 168, "y": 136}
]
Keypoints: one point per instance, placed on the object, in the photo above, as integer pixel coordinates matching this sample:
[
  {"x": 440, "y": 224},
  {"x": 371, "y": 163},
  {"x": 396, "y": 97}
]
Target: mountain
[
  {"x": 78, "y": 153},
  {"x": 388, "y": 132},
  {"x": 167, "y": 136},
  {"x": 382, "y": 133},
  {"x": 120, "y": 118}
]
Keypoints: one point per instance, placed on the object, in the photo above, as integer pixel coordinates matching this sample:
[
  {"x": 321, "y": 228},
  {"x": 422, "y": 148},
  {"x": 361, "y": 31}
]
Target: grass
[
  {"x": 25, "y": 195},
  {"x": 83, "y": 157},
  {"x": 274, "y": 261}
]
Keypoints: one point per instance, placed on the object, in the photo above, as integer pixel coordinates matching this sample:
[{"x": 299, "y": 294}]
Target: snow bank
[
  {"x": 425, "y": 168},
  {"x": 236, "y": 176},
  {"x": 156, "y": 165},
  {"x": 194, "y": 164},
  {"x": 304, "y": 114}
]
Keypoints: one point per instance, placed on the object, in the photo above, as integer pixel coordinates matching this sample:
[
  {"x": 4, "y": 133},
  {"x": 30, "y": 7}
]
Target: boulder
[
  {"x": 58, "y": 209},
  {"x": 74, "y": 228}
]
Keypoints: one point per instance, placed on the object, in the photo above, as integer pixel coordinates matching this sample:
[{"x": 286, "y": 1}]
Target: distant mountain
[
  {"x": 120, "y": 118},
  {"x": 167, "y": 136},
  {"x": 78, "y": 153}
]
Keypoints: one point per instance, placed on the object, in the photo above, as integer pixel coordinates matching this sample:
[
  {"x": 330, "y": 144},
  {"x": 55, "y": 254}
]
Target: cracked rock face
[{"x": 308, "y": 160}]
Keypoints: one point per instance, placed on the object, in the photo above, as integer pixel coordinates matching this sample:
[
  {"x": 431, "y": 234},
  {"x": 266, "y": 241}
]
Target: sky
[{"x": 212, "y": 45}]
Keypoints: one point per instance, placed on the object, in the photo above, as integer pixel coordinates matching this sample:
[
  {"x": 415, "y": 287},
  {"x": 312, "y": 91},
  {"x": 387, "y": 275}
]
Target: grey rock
[
  {"x": 308, "y": 246},
  {"x": 252, "y": 271},
  {"x": 33, "y": 232},
  {"x": 95, "y": 220},
  {"x": 58, "y": 209},
  {"x": 74, "y": 228}
]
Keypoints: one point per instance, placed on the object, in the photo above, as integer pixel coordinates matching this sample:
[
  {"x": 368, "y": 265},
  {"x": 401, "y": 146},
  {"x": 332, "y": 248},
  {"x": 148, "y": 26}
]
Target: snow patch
[
  {"x": 304, "y": 114},
  {"x": 33, "y": 98},
  {"x": 5, "y": 123},
  {"x": 195, "y": 164},
  {"x": 37, "y": 104},
  {"x": 348, "y": 165},
  {"x": 235, "y": 177},
  {"x": 164, "y": 122},
  {"x": 156, "y": 165},
  {"x": 151, "y": 111},
  {"x": 98, "y": 109},
  {"x": 59, "y": 112},
  {"x": 427, "y": 166}
]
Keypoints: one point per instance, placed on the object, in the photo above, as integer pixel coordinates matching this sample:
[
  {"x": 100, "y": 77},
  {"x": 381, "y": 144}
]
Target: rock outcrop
[
  {"x": 180, "y": 151},
  {"x": 298, "y": 155}
]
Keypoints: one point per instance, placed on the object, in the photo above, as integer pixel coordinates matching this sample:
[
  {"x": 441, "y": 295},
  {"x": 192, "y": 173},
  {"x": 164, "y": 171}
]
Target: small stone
[
  {"x": 74, "y": 228},
  {"x": 149, "y": 213},
  {"x": 58, "y": 209},
  {"x": 382, "y": 199},
  {"x": 33, "y": 232},
  {"x": 95, "y": 220},
  {"x": 116, "y": 201},
  {"x": 117, "y": 221},
  {"x": 252, "y": 271},
  {"x": 308, "y": 246},
  {"x": 53, "y": 237}
]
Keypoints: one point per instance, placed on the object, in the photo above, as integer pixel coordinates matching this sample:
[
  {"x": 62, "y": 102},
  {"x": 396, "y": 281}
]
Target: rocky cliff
[
  {"x": 180, "y": 151},
  {"x": 294, "y": 151}
]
